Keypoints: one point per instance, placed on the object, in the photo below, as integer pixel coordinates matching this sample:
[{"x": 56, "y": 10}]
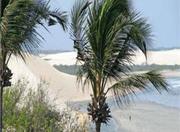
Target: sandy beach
[
  {"x": 148, "y": 117},
  {"x": 145, "y": 117}
]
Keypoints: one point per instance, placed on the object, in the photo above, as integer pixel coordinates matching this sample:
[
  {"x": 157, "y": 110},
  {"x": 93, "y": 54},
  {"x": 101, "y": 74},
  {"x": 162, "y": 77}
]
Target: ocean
[{"x": 170, "y": 98}]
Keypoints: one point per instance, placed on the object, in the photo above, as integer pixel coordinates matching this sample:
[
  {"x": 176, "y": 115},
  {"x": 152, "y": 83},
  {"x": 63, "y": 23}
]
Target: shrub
[{"x": 29, "y": 110}]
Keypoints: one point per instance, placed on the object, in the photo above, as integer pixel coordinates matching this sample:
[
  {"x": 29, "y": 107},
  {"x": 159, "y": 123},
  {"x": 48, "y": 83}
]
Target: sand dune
[
  {"x": 61, "y": 86},
  {"x": 167, "y": 57},
  {"x": 21, "y": 71}
]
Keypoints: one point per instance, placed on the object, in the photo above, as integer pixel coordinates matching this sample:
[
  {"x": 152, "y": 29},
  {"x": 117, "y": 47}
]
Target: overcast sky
[{"x": 163, "y": 15}]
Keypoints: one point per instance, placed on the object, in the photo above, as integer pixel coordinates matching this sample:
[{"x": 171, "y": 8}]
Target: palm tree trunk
[
  {"x": 1, "y": 88},
  {"x": 1, "y": 99},
  {"x": 1, "y": 106},
  {"x": 98, "y": 88},
  {"x": 98, "y": 127}
]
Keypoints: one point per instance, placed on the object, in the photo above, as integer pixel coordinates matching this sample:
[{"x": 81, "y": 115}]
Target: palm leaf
[
  {"x": 19, "y": 25},
  {"x": 78, "y": 27},
  {"x": 125, "y": 88}
]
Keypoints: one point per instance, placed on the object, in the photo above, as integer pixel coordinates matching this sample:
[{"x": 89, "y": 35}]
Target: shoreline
[{"x": 148, "y": 116}]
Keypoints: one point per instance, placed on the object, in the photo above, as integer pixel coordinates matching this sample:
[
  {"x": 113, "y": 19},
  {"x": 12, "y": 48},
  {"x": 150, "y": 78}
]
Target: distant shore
[
  {"x": 162, "y": 57},
  {"x": 171, "y": 73}
]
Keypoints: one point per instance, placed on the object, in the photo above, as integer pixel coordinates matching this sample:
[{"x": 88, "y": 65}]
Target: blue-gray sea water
[{"x": 170, "y": 98}]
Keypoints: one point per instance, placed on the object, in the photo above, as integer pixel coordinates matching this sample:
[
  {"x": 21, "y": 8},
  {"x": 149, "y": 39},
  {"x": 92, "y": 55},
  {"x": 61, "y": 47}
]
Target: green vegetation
[
  {"x": 19, "y": 35},
  {"x": 155, "y": 67},
  {"x": 106, "y": 34},
  {"x": 27, "y": 110},
  {"x": 69, "y": 69},
  {"x": 73, "y": 69}
]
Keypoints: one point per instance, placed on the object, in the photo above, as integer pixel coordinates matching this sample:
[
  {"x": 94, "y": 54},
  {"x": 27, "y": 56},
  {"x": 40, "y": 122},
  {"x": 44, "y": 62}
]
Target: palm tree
[
  {"x": 19, "y": 37},
  {"x": 106, "y": 34}
]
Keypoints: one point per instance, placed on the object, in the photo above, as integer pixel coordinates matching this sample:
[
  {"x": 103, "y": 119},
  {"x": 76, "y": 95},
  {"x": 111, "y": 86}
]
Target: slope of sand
[
  {"x": 61, "y": 86},
  {"x": 21, "y": 71},
  {"x": 167, "y": 57}
]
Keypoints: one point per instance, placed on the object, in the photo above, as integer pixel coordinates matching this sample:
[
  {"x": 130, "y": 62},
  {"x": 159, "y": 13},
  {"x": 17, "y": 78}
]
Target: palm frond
[
  {"x": 78, "y": 26},
  {"x": 4, "y": 3},
  {"x": 51, "y": 16},
  {"x": 60, "y": 16},
  {"x": 125, "y": 88},
  {"x": 140, "y": 32},
  {"x": 19, "y": 25}
]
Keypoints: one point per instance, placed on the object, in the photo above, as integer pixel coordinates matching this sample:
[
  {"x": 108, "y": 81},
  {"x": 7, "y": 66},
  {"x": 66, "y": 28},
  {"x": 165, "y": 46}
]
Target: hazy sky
[{"x": 163, "y": 15}]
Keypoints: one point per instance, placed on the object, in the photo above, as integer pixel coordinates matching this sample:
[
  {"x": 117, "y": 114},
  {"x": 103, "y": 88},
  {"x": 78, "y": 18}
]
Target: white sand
[
  {"x": 66, "y": 58},
  {"x": 61, "y": 86},
  {"x": 168, "y": 57},
  {"x": 20, "y": 70}
]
